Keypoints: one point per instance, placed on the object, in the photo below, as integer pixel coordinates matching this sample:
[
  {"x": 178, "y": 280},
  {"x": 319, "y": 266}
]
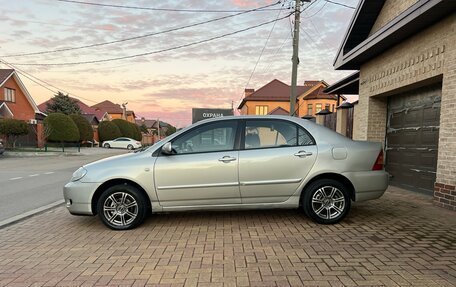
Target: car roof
[{"x": 319, "y": 132}]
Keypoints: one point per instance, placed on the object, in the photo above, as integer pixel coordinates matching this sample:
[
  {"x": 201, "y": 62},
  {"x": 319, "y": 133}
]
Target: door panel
[
  {"x": 198, "y": 179},
  {"x": 273, "y": 175},
  {"x": 204, "y": 168},
  {"x": 412, "y": 138},
  {"x": 277, "y": 156}
]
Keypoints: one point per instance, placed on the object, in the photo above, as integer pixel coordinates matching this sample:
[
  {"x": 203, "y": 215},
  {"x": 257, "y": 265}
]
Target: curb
[{"x": 31, "y": 213}]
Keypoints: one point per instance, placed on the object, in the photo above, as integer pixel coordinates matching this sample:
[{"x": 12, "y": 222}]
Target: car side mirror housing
[{"x": 167, "y": 148}]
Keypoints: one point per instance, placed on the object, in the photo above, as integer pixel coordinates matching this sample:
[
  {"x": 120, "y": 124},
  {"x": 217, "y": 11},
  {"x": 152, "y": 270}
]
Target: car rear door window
[{"x": 274, "y": 133}]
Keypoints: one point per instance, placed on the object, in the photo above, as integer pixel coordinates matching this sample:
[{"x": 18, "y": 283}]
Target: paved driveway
[{"x": 398, "y": 240}]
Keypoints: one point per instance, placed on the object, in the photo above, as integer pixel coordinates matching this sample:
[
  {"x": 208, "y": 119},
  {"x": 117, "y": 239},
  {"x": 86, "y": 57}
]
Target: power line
[
  {"x": 136, "y": 37},
  {"x": 340, "y": 4},
  {"x": 152, "y": 52},
  {"x": 42, "y": 83},
  {"x": 262, "y": 50},
  {"x": 160, "y": 9}
]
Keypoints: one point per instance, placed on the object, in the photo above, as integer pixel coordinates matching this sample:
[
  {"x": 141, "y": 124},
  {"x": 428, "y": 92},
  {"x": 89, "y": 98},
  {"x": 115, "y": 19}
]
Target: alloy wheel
[
  {"x": 328, "y": 202},
  {"x": 120, "y": 209}
]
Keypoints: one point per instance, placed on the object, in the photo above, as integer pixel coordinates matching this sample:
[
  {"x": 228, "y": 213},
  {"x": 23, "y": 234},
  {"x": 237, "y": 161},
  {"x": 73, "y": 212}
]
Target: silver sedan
[{"x": 239, "y": 162}]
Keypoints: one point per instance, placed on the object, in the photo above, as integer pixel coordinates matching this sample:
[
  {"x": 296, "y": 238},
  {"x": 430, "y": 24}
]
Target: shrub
[
  {"x": 12, "y": 129},
  {"x": 108, "y": 131},
  {"x": 126, "y": 128},
  {"x": 138, "y": 134},
  {"x": 62, "y": 128},
  {"x": 84, "y": 127}
]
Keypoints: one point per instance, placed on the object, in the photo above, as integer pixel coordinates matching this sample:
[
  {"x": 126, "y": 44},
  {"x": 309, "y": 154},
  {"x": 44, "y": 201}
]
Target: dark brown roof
[
  {"x": 275, "y": 90},
  {"x": 319, "y": 94},
  {"x": 4, "y": 74},
  {"x": 109, "y": 107},
  {"x": 279, "y": 111}
]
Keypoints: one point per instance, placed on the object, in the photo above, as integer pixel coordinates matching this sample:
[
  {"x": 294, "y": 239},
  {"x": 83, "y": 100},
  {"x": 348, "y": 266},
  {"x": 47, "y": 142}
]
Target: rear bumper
[
  {"x": 368, "y": 184},
  {"x": 78, "y": 197}
]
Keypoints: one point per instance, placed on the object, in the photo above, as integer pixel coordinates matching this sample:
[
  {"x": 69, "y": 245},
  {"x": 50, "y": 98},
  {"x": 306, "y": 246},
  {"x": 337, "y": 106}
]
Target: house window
[
  {"x": 309, "y": 109},
  {"x": 10, "y": 95},
  {"x": 317, "y": 108},
  {"x": 261, "y": 110},
  {"x": 327, "y": 107}
]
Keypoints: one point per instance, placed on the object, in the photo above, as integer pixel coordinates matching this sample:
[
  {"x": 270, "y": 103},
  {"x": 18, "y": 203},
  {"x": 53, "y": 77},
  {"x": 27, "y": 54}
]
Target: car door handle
[
  {"x": 303, "y": 153},
  {"x": 226, "y": 159}
]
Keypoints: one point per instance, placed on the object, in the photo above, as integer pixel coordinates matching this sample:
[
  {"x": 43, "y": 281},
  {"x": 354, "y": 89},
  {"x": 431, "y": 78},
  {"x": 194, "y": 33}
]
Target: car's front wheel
[
  {"x": 326, "y": 201},
  {"x": 122, "y": 207},
  {"x": 106, "y": 145}
]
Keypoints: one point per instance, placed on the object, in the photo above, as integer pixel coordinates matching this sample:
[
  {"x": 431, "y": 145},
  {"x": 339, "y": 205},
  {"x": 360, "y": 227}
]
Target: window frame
[
  {"x": 236, "y": 139},
  {"x": 298, "y": 126},
  {"x": 310, "y": 108},
  {"x": 316, "y": 108},
  {"x": 13, "y": 95},
  {"x": 265, "y": 109}
]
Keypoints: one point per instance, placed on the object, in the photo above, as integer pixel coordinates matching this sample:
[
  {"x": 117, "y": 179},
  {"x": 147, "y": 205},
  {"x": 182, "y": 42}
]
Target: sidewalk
[
  {"x": 69, "y": 151},
  {"x": 398, "y": 240}
]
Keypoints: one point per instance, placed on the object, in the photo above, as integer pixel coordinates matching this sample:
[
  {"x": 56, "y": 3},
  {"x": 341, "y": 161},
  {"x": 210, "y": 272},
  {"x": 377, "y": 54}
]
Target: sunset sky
[{"x": 166, "y": 85}]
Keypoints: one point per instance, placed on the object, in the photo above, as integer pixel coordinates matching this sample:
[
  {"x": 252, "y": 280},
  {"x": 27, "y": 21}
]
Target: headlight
[{"x": 80, "y": 173}]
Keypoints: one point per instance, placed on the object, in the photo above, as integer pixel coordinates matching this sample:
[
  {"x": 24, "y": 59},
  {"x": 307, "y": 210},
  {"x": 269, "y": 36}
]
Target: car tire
[
  {"x": 326, "y": 201},
  {"x": 129, "y": 147},
  {"x": 106, "y": 146},
  {"x": 122, "y": 207}
]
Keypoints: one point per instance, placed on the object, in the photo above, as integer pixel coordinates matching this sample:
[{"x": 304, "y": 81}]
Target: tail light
[{"x": 378, "y": 165}]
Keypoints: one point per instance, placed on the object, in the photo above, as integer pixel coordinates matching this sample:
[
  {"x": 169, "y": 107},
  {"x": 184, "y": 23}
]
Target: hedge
[
  {"x": 127, "y": 129},
  {"x": 84, "y": 127},
  {"x": 62, "y": 128},
  {"x": 108, "y": 131}
]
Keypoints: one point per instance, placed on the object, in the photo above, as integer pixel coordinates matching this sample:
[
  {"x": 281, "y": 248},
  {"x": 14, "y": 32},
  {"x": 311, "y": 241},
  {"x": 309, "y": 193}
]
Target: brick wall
[
  {"x": 391, "y": 9},
  {"x": 21, "y": 108},
  {"x": 445, "y": 196}
]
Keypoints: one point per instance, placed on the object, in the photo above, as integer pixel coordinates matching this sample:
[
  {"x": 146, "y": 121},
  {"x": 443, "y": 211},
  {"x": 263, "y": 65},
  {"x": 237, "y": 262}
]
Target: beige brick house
[{"x": 405, "y": 52}]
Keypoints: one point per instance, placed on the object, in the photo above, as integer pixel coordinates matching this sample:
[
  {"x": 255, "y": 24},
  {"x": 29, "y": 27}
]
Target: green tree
[
  {"x": 138, "y": 134},
  {"x": 170, "y": 130},
  {"x": 62, "y": 127},
  {"x": 62, "y": 103},
  {"x": 108, "y": 131},
  {"x": 12, "y": 129},
  {"x": 126, "y": 128},
  {"x": 84, "y": 127}
]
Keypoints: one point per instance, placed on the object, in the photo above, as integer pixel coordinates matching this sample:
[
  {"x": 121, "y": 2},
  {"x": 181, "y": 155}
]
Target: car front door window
[{"x": 208, "y": 138}]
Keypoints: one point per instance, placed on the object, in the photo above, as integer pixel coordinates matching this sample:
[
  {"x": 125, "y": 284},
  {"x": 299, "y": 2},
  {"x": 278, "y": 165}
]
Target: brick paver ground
[{"x": 398, "y": 240}]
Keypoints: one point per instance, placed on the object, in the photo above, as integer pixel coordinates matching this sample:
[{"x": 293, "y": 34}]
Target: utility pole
[
  {"x": 158, "y": 129},
  {"x": 295, "y": 58}
]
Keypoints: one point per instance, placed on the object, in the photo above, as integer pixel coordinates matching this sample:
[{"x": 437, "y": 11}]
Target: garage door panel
[{"x": 412, "y": 137}]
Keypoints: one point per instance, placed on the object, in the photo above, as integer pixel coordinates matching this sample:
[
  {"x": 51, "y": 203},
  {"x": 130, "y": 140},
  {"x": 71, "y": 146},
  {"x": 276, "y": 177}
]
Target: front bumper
[
  {"x": 368, "y": 184},
  {"x": 78, "y": 197}
]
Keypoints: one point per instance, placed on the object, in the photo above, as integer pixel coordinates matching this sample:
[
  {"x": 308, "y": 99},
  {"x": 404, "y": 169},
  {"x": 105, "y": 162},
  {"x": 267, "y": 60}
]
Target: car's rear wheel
[
  {"x": 130, "y": 147},
  {"x": 122, "y": 207},
  {"x": 326, "y": 201},
  {"x": 106, "y": 145}
]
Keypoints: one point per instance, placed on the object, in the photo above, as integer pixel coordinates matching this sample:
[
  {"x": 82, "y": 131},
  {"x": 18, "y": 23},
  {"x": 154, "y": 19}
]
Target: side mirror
[{"x": 167, "y": 148}]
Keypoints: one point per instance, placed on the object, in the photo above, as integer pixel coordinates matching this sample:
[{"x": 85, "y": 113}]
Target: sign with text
[{"x": 202, "y": 114}]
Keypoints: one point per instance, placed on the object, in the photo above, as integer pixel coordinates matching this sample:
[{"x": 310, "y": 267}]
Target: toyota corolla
[{"x": 244, "y": 162}]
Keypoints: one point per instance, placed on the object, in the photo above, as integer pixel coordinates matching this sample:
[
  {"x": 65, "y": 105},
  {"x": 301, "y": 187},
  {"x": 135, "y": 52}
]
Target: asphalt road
[{"x": 28, "y": 183}]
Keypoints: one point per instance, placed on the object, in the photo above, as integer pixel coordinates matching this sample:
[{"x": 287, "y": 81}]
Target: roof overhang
[
  {"x": 23, "y": 89},
  {"x": 347, "y": 86},
  {"x": 4, "y": 107},
  {"x": 355, "y": 51}
]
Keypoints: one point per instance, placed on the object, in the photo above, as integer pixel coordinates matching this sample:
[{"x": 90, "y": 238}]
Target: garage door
[{"x": 412, "y": 138}]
